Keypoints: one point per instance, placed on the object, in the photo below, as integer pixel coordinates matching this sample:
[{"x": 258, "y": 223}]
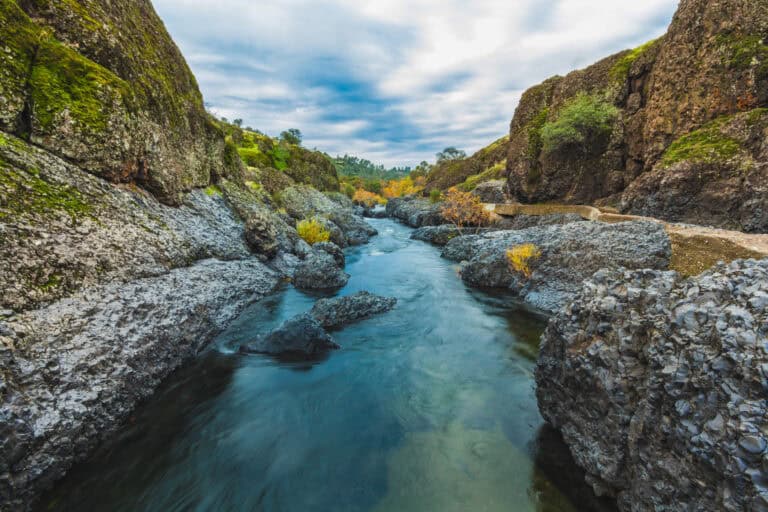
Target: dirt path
[{"x": 694, "y": 248}]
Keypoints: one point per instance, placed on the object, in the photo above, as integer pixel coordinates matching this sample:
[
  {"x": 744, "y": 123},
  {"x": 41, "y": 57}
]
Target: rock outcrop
[
  {"x": 74, "y": 370},
  {"x": 338, "y": 312},
  {"x": 104, "y": 86},
  {"x": 301, "y": 336},
  {"x": 415, "y": 212},
  {"x": 485, "y": 165},
  {"x": 319, "y": 271},
  {"x": 655, "y": 149},
  {"x": 569, "y": 254},
  {"x": 659, "y": 386}
]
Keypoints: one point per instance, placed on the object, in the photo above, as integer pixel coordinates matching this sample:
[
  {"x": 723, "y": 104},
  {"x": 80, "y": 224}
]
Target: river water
[{"x": 430, "y": 407}]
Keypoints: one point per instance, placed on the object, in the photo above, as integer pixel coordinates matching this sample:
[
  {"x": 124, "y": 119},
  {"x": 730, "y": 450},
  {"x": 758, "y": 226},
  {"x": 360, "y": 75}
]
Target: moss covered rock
[{"x": 102, "y": 84}]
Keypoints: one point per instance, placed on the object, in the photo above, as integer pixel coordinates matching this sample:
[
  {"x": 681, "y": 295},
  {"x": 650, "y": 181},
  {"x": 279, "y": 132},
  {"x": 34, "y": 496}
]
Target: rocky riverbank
[
  {"x": 107, "y": 291},
  {"x": 659, "y": 386}
]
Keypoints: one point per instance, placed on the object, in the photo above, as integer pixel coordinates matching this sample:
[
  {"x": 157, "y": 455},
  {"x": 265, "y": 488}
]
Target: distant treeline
[{"x": 353, "y": 166}]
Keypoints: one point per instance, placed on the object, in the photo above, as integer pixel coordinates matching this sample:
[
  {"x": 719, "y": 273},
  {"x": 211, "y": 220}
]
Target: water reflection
[{"x": 428, "y": 407}]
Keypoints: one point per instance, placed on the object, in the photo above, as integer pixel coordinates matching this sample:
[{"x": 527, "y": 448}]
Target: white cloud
[{"x": 394, "y": 80}]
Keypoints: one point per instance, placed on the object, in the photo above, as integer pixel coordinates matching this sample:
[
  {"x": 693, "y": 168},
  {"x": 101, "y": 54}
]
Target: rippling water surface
[{"x": 428, "y": 408}]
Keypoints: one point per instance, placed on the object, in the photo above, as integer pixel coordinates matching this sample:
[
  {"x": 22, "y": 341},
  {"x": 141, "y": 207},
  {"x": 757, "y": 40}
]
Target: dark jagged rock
[
  {"x": 356, "y": 231},
  {"x": 334, "y": 250},
  {"x": 319, "y": 271},
  {"x": 334, "y": 313},
  {"x": 415, "y": 212},
  {"x": 441, "y": 235},
  {"x": 300, "y": 336},
  {"x": 570, "y": 254},
  {"x": 659, "y": 386}
]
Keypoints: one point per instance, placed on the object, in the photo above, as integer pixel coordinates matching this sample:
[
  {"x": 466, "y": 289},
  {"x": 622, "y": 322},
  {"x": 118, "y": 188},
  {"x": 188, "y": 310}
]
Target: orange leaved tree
[{"x": 464, "y": 209}]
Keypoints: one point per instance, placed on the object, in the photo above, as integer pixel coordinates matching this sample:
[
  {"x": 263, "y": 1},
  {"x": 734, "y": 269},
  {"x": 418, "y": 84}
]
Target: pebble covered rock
[
  {"x": 337, "y": 312},
  {"x": 570, "y": 254},
  {"x": 320, "y": 271},
  {"x": 659, "y": 386},
  {"x": 301, "y": 336}
]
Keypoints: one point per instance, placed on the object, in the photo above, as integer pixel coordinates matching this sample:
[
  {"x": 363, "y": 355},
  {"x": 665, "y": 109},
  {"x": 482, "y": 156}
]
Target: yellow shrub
[
  {"x": 400, "y": 188},
  {"x": 464, "y": 209},
  {"x": 368, "y": 199},
  {"x": 520, "y": 258},
  {"x": 313, "y": 231}
]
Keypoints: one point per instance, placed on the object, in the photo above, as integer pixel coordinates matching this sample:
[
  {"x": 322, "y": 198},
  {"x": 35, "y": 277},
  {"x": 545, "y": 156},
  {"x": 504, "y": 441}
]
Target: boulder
[
  {"x": 261, "y": 235},
  {"x": 491, "y": 191},
  {"x": 334, "y": 313},
  {"x": 356, "y": 231},
  {"x": 319, "y": 271},
  {"x": 334, "y": 250},
  {"x": 658, "y": 385},
  {"x": 441, "y": 235},
  {"x": 529, "y": 221},
  {"x": 415, "y": 211},
  {"x": 300, "y": 336},
  {"x": 570, "y": 254}
]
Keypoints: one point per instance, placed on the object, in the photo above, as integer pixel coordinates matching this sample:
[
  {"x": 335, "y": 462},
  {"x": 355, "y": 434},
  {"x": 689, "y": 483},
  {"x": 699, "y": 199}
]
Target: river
[{"x": 430, "y": 407}]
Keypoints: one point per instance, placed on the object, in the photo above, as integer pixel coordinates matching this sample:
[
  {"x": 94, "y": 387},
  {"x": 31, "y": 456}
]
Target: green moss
[
  {"x": 64, "y": 80},
  {"x": 535, "y": 145},
  {"x": 493, "y": 173},
  {"x": 755, "y": 116},
  {"x": 54, "y": 281},
  {"x": 255, "y": 187},
  {"x": 620, "y": 70},
  {"x": 707, "y": 144},
  {"x": 213, "y": 191},
  {"x": 744, "y": 52},
  {"x": 26, "y": 193}
]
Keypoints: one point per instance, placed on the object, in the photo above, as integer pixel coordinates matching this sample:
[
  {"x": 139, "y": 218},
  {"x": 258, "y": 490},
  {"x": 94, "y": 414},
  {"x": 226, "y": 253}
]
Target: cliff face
[
  {"x": 486, "y": 164},
  {"x": 102, "y": 85},
  {"x": 711, "y": 65}
]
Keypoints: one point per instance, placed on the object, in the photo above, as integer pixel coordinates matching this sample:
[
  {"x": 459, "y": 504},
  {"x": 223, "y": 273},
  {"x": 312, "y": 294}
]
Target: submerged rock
[
  {"x": 300, "y": 336},
  {"x": 319, "y": 271},
  {"x": 659, "y": 386},
  {"x": 570, "y": 254},
  {"x": 332, "y": 313}
]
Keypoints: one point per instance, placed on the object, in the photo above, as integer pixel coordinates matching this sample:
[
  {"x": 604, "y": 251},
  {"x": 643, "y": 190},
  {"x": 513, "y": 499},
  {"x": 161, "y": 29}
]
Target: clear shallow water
[{"x": 430, "y": 407}]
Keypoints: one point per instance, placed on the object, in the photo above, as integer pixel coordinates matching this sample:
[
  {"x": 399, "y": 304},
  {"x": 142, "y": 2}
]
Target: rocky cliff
[
  {"x": 486, "y": 164},
  {"x": 659, "y": 384},
  {"x": 102, "y": 85},
  {"x": 671, "y": 129}
]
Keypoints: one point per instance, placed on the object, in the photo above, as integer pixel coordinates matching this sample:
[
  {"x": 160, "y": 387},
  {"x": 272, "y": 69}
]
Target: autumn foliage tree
[{"x": 464, "y": 209}]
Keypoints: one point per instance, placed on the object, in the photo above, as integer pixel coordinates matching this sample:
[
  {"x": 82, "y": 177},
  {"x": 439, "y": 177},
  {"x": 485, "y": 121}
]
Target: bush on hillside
[
  {"x": 464, "y": 209},
  {"x": 582, "y": 123},
  {"x": 367, "y": 199},
  {"x": 400, "y": 188},
  {"x": 313, "y": 231},
  {"x": 520, "y": 258}
]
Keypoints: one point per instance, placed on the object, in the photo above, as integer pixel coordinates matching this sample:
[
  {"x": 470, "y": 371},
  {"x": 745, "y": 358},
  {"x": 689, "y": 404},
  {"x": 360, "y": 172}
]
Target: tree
[
  {"x": 292, "y": 136},
  {"x": 464, "y": 209},
  {"x": 238, "y": 123},
  {"x": 586, "y": 122},
  {"x": 450, "y": 153}
]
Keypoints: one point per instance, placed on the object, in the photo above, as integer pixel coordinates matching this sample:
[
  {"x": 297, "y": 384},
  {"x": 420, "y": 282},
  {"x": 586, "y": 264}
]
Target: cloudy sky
[{"x": 394, "y": 81}]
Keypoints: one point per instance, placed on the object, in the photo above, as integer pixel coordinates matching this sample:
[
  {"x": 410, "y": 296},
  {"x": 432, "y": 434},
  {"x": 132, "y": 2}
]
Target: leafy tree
[
  {"x": 238, "y": 123},
  {"x": 353, "y": 166},
  {"x": 583, "y": 123},
  {"x": 464, "y": 209},
  {"x": 292, "y": 136},
  {"x": 450, "y": 153}
]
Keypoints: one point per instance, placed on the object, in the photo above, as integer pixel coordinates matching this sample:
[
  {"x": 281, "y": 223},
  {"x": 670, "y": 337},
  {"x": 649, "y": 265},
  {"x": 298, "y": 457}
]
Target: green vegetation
[
  {"x": 455, "y": 172},
  {"x": 450, "y": 153},
  {"x": 359, "y": 167},
  {"x": 313, "y": 231},
  {"x": 621, "y": 69},
  {"x": 494, "y": 173},
  {"x": 292, "y": 136},
  {"x": 535, "y": 145},
  {"x": 26, "y": 193},
  {"x": 435, "y": 196},
  {"x": 584, "y": 122},
  {"x": 743, "y": 52},
  {"x": 707, "y": 144},
  {"x": 213, "y": 191}
]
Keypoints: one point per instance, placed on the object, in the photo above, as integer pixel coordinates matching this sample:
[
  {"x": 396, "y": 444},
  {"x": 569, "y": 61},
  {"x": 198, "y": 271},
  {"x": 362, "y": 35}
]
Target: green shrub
[
  {"x": 435, "y": 196},
  {"x": 583, "y": 122},
  {"x": 313, "y": 231},
  {"x": 349, "y": 190}
]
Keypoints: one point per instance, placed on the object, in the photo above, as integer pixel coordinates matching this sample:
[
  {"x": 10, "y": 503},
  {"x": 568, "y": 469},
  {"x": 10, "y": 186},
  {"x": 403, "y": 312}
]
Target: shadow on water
[{"x": 428, "y": 407}]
